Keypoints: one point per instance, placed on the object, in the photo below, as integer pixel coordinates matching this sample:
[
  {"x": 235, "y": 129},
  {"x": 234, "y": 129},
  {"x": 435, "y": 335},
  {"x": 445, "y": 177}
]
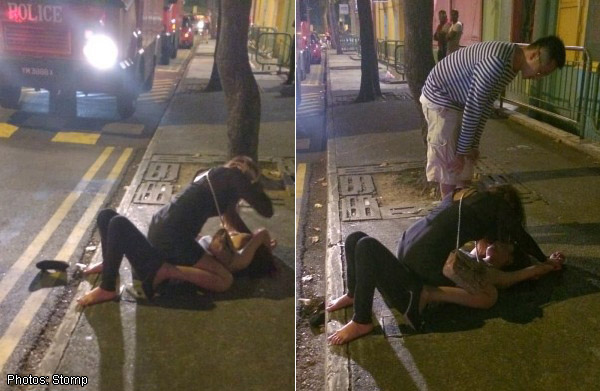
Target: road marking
[
  {"x": 76, "y": 137},
  {"x": 300, "y": 174},
  {"x": 22, "y": 320},
  {"x": 7, "y": 130},
  {"x": 19, "y": 267}
]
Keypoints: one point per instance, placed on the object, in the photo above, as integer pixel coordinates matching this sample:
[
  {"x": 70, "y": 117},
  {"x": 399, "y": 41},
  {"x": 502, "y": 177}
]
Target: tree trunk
[
  {"x": 369, "y": 66},
  {"x": 418, "y": 52},
  {"x": 335, "y": 33},
  {"x": 214, "y": 84},
  {"x": 241, "y": 91}
]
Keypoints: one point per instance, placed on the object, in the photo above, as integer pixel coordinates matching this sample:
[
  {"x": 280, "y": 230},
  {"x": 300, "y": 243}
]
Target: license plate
[{"x": 37, "y": 71}]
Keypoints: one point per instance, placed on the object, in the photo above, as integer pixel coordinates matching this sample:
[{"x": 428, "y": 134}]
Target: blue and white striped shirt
[{"x": 470, "y": 80}]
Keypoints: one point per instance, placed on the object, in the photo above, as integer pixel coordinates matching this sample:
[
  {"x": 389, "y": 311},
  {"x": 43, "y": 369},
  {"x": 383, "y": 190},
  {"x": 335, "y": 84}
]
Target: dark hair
[
  {"x": 454, "y": 12},
  {"x": 553, "y": 46},
  {"x": 245, "y": 160}
]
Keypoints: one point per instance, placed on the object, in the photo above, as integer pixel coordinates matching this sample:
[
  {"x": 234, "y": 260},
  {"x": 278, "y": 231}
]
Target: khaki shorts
[{"x": 443, "y": 127}]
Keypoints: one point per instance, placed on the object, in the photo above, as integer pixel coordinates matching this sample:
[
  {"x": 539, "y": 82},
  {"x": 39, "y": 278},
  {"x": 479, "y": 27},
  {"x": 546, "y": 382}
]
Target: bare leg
[
  {"x": 341, "y": 302},
  {"x": 96, "y": 296},
  {"x": 351, "y": 331},
  {"x": 93, "y": 268},
  {"x": 484, "y": 299}
]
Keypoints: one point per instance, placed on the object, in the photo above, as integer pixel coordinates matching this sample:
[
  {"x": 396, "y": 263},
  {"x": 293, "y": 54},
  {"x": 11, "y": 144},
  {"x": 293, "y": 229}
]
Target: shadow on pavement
[{"x": 520, "y": 304}]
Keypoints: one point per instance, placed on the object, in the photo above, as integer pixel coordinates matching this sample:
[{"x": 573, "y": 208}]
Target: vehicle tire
[
  {"x": 174, "y": 46},
  {"x": 9, "y": 97},
  {"x": 165, "y": 48},
  {"x": 127, "y": 97},
  {"x": 63, "y": 102},
  {"x": 126, "y": 104},
  {"x": 150, "y": 80}
]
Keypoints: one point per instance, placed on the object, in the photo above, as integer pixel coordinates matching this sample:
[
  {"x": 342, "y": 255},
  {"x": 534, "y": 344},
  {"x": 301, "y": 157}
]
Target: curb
[
  {"x": 54, "y": 354},
  {"x": 337, "y": 375},
  {"x": 591, "y": 148}
]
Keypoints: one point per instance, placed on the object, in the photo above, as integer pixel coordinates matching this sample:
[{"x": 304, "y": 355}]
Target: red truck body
[
  {"x": 65, "y": 46},
  {"x": 172, "y": 18}
]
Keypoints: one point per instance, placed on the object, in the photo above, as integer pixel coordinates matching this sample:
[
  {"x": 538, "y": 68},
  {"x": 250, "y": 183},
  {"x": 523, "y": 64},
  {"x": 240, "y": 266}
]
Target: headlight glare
[{"x": 100, "y": 51}]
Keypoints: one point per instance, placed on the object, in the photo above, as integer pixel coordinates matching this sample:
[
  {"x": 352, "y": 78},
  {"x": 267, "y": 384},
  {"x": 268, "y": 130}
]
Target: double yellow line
[{"x": 22, "y": 320}]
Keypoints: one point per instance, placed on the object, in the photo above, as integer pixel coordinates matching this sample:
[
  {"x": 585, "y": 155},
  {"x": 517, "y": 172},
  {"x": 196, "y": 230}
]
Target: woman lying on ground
[
  {"x": 171, "y": 249},
  {"x": 420, "y": 273}
]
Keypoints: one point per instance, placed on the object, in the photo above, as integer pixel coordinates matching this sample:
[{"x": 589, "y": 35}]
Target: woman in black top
[
  {"x": 171, "y": 250},
  {"x": 417, "y": 276}
]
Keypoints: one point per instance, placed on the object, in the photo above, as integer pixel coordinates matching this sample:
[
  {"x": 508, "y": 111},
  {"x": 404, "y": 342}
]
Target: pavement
[
  {"x": 186, "y": 339},
  {"x": 541, "y": 335}
]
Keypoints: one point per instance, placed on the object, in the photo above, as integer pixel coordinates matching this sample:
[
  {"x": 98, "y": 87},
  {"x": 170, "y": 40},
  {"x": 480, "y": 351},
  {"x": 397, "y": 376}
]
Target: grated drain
[
  {"x": 154, "y": 193},
  {"x": 356, "y": 184},
  {"x": 404, "y": 211},
  {"x": 379, "y": 168},
  {"x": 167, "y": 172},
  {"x": 490, "y": 173},
  {"x": 364, "y": 207}
]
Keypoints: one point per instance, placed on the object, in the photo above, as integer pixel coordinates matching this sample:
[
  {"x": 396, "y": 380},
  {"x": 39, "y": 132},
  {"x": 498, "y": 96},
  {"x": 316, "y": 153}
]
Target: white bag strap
[{"x": 215, "y": 198}]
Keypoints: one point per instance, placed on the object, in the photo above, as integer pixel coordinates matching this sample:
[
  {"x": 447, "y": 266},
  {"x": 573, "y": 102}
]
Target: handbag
[
  {"x": 464, "y": 270},
  {"x": 221, "y": 243}
]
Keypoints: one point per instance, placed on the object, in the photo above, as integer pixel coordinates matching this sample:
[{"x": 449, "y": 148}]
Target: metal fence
[
  {"x": 564, "y": 95},
  {"x": 272, "y": 49},
  {"x": 350, "y": 43}
]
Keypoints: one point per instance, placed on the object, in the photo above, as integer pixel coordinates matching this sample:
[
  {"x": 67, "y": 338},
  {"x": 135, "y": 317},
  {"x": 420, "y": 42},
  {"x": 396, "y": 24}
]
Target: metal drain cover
[
  {"x": 362, "y": 207},
  {"x": 155, "y": 193},
  {"x": 379, "y": 168},
  {"x": 404, "y": 211},
  {"x": 356, "y": 184},
  {"x": 167, "y": 172}
]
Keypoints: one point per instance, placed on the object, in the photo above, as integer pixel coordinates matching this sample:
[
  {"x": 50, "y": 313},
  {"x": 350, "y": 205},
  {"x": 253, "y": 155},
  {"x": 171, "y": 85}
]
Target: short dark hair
[{"x": 554, "y": 48}]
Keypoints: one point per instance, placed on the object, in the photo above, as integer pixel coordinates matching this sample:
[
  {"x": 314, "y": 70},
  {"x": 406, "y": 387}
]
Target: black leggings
[
  {"x": 120, "y": 237},
  {"x": 371, "y": 265}
]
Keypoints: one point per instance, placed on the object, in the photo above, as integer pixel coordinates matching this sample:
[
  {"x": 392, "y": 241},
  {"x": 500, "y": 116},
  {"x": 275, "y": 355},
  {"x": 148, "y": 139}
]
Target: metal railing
[
  {"x": 255, "y": 31},
  {"x": 273, "y": 49},
  {"x": 564, "y": 95},
  {"x": 386, "y": 50},
  {"x": 350, "y": 43}
]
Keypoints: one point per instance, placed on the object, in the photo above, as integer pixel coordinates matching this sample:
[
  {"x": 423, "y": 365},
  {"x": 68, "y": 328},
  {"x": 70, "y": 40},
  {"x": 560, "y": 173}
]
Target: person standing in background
[
  {"x": 441, "y": 35},
  {"x": 454, "y": 33}
]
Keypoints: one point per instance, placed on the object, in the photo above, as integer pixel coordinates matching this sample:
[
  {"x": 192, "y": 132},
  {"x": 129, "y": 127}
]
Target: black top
[
  {"x": 425, "y": 246},
  {"x": 175, "y": 226}
]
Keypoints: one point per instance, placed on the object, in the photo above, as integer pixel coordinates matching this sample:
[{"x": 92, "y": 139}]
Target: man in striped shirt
[{"x": 459, "y": 94}]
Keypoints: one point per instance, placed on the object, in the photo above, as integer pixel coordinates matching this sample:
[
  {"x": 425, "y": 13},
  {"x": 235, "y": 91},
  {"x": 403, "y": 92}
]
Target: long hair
[{"x": 244, "y": 164}]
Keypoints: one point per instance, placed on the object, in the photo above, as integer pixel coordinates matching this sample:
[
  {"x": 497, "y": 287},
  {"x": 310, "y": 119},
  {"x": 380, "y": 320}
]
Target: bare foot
[
  {"x": 339, "y": 303},
  {"x": 96, "y": 296},
  {"x": 349, "y": 332},
  {"x": 93, "y": 269}
]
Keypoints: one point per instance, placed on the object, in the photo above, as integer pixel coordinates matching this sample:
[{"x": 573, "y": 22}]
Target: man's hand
[{"x": 457, "y": 165}]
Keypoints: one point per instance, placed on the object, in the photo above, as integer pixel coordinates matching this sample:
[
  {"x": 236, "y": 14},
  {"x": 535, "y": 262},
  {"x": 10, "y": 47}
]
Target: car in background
[
  {"x": 186, "y": 35},
  {"x": 315, "y": 49}
]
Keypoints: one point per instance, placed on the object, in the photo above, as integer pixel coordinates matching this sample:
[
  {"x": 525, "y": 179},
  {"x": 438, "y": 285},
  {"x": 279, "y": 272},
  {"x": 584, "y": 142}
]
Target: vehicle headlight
[
  {"x": 100, "y": 51},
  {"x": 200, "y": 25}
]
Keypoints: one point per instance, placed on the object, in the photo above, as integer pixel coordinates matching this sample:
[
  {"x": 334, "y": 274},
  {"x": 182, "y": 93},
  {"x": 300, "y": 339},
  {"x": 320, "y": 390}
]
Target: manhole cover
[
  {"x": 167, "y": 172},
  {"x": 490, "y": 173},
  {"x": 155, "y": 193},
  {"x": 360, "y": 208},
  {"x": 356, "y": 184}
]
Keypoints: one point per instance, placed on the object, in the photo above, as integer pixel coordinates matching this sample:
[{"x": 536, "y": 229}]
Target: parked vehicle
[
  {"x": 95, "y": 46},
  {"x": 186, "y": 34},
  {"x": 315, "y": 49},
  {"x": 172, "y": 17}
]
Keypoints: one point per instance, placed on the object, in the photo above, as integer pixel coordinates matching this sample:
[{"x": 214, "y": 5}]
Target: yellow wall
[
  {"x": 571, "y": 23},
  {"x": 274, "y": 13}
]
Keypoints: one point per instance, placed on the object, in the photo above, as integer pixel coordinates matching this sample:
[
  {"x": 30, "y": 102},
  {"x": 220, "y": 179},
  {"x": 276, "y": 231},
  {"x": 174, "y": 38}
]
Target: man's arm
[
  {"x": 478, "y": 107},
  {"x": 233, "y": 221}
]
